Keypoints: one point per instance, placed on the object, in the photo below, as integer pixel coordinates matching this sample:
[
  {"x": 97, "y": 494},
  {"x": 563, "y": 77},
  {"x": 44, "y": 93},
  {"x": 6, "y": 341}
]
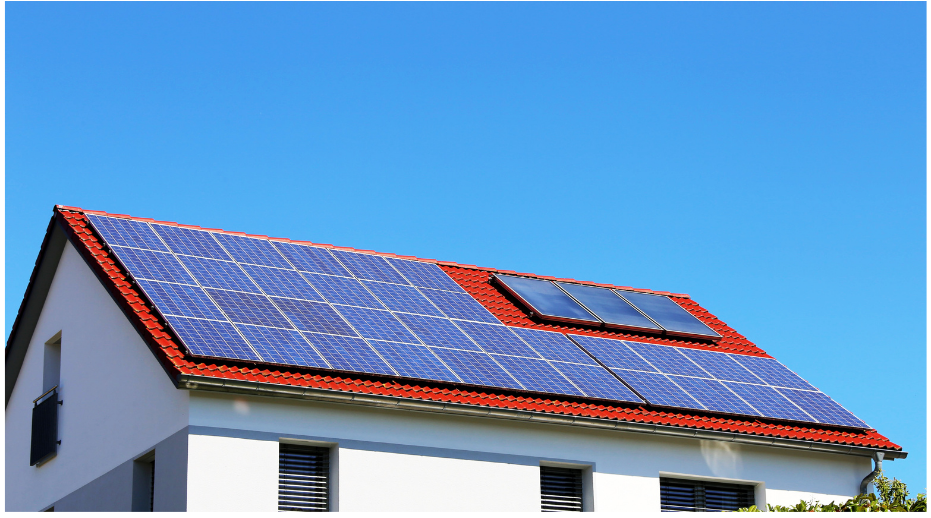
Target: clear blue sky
[{"x": 766, "y": 158}]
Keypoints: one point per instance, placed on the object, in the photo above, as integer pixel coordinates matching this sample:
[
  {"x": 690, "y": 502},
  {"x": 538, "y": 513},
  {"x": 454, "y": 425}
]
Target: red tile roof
[{"x": 474, "y": 279}]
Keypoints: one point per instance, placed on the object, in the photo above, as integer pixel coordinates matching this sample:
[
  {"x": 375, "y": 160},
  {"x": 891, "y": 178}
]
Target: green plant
[{"x": 892, "y": 495}]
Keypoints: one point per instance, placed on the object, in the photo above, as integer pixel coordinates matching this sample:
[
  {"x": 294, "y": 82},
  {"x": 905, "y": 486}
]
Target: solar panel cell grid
[
  {"x": 658, "y": 389},
  {"x": 713, "y": 395},
  {"x": 349, "y": 354},
  {"x": 311, "y": 259},
  {"x": 380, "y": 325},
  {"x": 822, "y": 407},
  {"x": 126, "y": 232},
  {"x": 156, "y": 266},
  {"x": 497, "y": 339},
  {"x": 181, "y": 300},
  {"x": 596, "y": 382},
  {"x": 768, "y": 402},
  {"x": 402, "y": 298},
  {"x": 282, "y": 283},
  {"x": 536, "y": 375},
  {"x": 772, "y": 372},
  {"x": 553, "y": 346},
  {"x": 225, "y": 275},
  {"x": 282, "y": 346},
  {"x": 425, "y": 275},
  {"x": 413, "y": 361},
  {"x": 460, "y": 306},
  {"x": 476, "y": 368},
  {"x": 438, "y": 332},
  {"x": 369, "y": 267},
  {"x": 246, "y": 308},
  {"x": 612, "y": 353},
  {"x": 314, "y": 316},
  {"x": 252, "y": 250},
  {"x": 667, "y": 359},
  {"x": 721, "y": 366},
  {"x": 343, "y": 290},
  {"x": 186, "y": 241},
  {"x": 210, "y": 338}
]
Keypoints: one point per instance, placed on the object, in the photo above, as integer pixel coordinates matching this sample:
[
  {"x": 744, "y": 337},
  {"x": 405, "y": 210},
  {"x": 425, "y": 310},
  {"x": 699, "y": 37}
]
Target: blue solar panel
[
  {"x": 181, "y": 300},
  {"x": 720, "y": 365},
  {"x": 210, "y": 338},
  {"x": 425, "y": 275},
  {"x": 596, "y": 382},
  {"x": 186, "y": 241},
  {"x": 380, "y": 325},
  {"x": 536, "y": 375},
  {"x": 497, "y": 339},
  {"x": 658, "y": 389},
  {"x": 607, "y": 306},
  {"x": 667, "y": 359},
  {"x": 460, "y": 306},
  {"x": 224, "y": 275},
  {"x": 311, "y": 259},
  {"x": 283, "y": 346},
  {"x": 126, "y": 232},
  {"x": 476, "y": 368},
  {"x": 252, "y": 250},
  {"x": 553, "y": 346},
  {"x": 282, "y": 283},
  {"x": 772, "y": 372},
  {"x": 438, "y": 332},
  {"x": 668, "y": 314},
  {"x": 768, "y": 402},
  {"x": 369, "y": 267},
  {"x": 246, "y": 308},
  {"x": 402, "y": 298},
  {"x": 612, "y": 353},
  {"x": 713, "y": 395},
  {"x": 343, "y": 290},
  {"x": 822, "y": 408},
  {"x": 413, "y": 361},
  {"x": 546, "y": 299},
  {"x": 157, "y": 266},
  {"x": 314, "y": 316},
  {"x": 349, "y": 354}
]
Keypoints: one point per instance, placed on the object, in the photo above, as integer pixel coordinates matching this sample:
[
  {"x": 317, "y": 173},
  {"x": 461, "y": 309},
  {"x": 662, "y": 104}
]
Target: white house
[{"x": 108, "y": 408}]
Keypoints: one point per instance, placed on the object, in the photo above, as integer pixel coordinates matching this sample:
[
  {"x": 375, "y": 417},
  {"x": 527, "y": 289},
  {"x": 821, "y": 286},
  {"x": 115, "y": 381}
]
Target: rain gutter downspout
[{"x": 878, "y": 459}]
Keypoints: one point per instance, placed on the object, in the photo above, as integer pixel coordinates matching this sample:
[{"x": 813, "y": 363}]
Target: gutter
[{"x": 254, "y": 388}]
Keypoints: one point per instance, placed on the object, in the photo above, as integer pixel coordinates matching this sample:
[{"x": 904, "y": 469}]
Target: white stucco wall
[
  {"x": 118, "y": 401},
  {"x": 400, "y": 460},
  {"x": 231, "y": 474}
]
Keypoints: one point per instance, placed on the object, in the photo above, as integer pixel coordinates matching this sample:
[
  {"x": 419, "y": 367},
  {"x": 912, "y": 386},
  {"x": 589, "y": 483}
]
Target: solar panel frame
[
  {"x": 721, "y": 366},
  {"x": 822, "y": 407},
  {"x": 413, "y": 361},
  {"x": 667, "y": 360},
  {"x": 282, "y": 283},
  {"x": 424, "y": 275},
  {"x": 713, "y": 395},
  {"x": 497, "y": 339},
  {"x": 476, "y": 368},
  {"x": 546, "y": 299},
  {"x": 349, "y": 353},
  {"x": 553, "y": 346},
  {"x": 400, "y": 298},
  {"x": 126, "y": 232},
  {"x": 186, "y": 241},
  {"x": 773, "y": 372},
  {"x": 282, "y": 346},
  {"x": 610, "y": 308},
  {"x": 224, "y": 275},
  {"x": 537, "y": 375},
  {"x": 612, "y": 353},
  {"x": 252, "y": 250},
  {"x": 658, "y": 389},
  {"x": 369, "y": 267},
  {"x": 212, "y": 338},
  {"x": 317, "y": 317},
  {"x": 377, "y": 324},
  {"x": 597, "y": 382},
  {"x": 311, "y": 259},
  {"x": 459, "y": 306},
  {"x": 153, "y": 265},
  {"x": 249, "y": 308},
  {"x": 672, "y": 317},
  {"x": 181, "y": 300},
  {"x": 346, "y": 291},
  {"x": 438, "y": 332},
  {"x": 769, "y": 402}
]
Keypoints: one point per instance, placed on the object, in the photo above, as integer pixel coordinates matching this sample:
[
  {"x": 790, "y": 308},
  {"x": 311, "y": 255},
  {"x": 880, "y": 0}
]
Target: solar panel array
[
  {"x": 720, "y": 382},
  {"x": 245, "y": 298}
]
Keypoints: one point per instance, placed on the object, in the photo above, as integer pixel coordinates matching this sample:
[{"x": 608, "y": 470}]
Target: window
[
  {"x": 560, "y": 489},
  {"x": 44, "y": 440},
  {"x": 696, "y": 495},
  {"x": 144, "y": 483},
  {"x": 303, "y": 478}
]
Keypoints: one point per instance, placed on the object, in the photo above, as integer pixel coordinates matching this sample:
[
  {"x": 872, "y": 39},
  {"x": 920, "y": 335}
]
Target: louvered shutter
[
  {"x": 560, "y": 489},
  {"x": 693, "y": 495},
  {"x": 303, "y": 478}
]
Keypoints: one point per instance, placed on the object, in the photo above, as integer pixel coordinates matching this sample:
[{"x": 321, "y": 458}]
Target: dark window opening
[
  {"x": 303, "y": 478},
  {"x": 695, "y": 495},
  {"x": 560, "y": 489},
  {"x": 44, "y": 444},
  {"x": 144, "y": 483}
]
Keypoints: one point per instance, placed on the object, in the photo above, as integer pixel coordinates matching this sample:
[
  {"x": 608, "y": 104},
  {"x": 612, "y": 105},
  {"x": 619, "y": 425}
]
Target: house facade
[{"x": 141, "y": 424}]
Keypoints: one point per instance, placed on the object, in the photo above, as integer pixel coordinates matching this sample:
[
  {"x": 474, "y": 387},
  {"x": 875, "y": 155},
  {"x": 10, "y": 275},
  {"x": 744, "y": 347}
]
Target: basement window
[
  {"x": 697, "y": 495},
  {"x": 303, "y": 478}
]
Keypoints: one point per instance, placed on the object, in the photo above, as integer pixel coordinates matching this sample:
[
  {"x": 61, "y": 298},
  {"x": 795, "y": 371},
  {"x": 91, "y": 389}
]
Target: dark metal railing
[{"x": 44, "y": 427}]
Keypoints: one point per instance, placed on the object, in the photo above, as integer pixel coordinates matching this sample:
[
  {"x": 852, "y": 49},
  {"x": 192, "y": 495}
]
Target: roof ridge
[{"x": 375, "y": 252}]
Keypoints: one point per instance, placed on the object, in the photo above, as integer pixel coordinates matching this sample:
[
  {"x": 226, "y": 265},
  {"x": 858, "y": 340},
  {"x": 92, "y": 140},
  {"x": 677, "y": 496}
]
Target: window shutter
[
  {"x": 560, "y": 489},
  {"x": 303, "y": 478},
  {"x": 694, "y": 495}
]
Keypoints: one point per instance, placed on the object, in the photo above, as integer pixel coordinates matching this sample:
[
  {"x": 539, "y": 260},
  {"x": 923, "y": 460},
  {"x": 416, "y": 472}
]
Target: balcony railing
[{"x": 44, "y": 427}]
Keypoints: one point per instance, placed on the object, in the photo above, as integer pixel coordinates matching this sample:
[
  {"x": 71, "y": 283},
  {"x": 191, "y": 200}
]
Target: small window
[
  {"x": 560, "y": 489},
  {"x": 696, "y": 495},
  {"x": 303, "y": 478},
  {"x": 144, "y": 483}
]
